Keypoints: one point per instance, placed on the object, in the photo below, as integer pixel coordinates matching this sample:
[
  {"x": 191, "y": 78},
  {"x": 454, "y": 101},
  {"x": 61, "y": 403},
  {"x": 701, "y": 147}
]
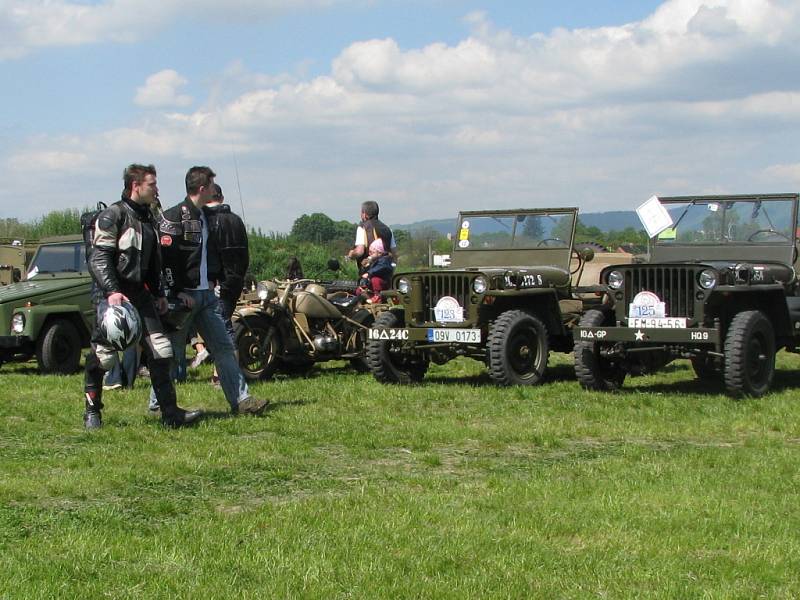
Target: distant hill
[{"x": 615, "y": 220}]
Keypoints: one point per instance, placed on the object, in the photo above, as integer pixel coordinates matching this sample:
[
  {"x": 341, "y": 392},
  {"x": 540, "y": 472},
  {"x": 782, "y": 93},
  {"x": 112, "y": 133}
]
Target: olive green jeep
[
  {"x": 50, "y": 314},
  {"x": 508, "y": 298},
  {"x": 720, "y": 288}
]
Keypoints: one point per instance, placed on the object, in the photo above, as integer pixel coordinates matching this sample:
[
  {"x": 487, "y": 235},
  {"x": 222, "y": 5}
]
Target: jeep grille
[
  {"x": 439, "y": 285},
  {"x": 674, "y": 285}
]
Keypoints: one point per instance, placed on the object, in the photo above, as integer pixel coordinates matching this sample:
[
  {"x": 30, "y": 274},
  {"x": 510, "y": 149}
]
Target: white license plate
[
  {"x": 458, "y": 336},
  {"x": 657, "y": 322}
]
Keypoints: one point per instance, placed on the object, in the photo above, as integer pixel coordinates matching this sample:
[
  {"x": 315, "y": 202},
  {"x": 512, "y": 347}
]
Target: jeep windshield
[
  {"x": 69, "y": 257},
  {"x": 520, "y": 237},
  {"x": 758, "y": 228}
]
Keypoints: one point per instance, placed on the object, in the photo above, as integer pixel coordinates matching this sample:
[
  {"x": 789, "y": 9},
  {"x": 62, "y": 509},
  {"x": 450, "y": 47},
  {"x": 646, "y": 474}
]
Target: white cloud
[
  {"x": 699, "y": 97},
  {"x": 162, "y": 90},
  {"x": 29, "y": 24}
]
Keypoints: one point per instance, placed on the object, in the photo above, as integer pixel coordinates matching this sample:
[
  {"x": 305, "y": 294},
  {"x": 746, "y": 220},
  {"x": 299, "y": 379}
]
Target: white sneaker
[{"x": 199, "y": 359}]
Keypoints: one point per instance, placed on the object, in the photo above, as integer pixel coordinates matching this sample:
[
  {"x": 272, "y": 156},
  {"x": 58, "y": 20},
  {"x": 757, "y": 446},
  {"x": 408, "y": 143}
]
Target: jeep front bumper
[
  {"x": 13, "y": 342},
  {"x": 433, "y": 335},
  {"x": 633, "y": 335}
]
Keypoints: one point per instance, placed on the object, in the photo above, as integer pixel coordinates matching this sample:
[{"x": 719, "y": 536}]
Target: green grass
[{"x": 450, "y": 489}]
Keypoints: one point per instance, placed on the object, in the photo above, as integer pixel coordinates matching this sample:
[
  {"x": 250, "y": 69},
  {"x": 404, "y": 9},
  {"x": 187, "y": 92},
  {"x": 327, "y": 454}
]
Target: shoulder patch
[
  {"x": 166, "y": 240},
  {"x": 170, "y": 227}
]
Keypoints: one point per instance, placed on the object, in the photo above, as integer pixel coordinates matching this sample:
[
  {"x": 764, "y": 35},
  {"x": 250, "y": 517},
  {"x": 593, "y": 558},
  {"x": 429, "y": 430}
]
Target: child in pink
[{"x": 379, "y": 270}]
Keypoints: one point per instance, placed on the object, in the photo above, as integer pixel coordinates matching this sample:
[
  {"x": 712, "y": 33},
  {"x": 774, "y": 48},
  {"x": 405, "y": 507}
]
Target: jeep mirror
[{"x": 586, "y": 253}]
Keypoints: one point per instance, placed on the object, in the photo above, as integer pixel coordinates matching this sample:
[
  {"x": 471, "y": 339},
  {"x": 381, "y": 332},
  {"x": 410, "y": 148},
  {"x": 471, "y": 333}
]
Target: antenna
[{"x": 238, "y": 185}]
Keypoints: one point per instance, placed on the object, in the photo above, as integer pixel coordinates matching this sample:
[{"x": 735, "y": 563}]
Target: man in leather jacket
[
  {"x": 191, "y": 258},
  {"x": 125, "y": 264},
  {"x": 230, "y": 238}
]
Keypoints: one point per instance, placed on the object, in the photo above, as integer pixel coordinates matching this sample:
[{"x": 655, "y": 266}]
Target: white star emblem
[{"x": 639, "y": 335}]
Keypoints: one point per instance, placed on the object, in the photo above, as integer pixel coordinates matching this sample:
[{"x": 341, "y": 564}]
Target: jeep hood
[{"x": 38, "y": 286}]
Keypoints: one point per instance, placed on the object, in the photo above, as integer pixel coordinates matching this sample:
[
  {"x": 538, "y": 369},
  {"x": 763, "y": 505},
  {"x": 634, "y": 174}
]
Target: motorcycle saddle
[{"x": 345, "y": 303}]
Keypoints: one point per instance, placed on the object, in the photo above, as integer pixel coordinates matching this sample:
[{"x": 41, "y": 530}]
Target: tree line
[{"x": 314, "y": 239}]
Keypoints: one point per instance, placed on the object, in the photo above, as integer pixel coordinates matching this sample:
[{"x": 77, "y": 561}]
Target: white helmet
[{"x": 120, "y": 326}]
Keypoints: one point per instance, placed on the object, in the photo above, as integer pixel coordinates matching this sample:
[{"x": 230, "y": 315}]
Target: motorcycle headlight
[
  {"x": 479, "y": 284},
  {"x": 707, "y": 279},
  {"x": 615, "y": 280},
  {"x": 18, "y": 323},
  {"x": 267, "y": 290},
  {"x": 403, "y": 285}
]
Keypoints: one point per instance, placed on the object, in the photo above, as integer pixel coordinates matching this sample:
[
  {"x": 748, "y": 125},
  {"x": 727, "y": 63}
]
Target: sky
[{"x": 428, "y": 108}]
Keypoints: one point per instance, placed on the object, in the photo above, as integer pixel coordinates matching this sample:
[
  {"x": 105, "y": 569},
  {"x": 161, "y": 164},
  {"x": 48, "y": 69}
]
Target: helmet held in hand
[{"x": 121, "y": 326}]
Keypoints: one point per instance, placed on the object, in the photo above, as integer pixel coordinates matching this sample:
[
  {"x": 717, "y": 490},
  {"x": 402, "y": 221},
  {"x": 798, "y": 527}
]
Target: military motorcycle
[{"x": 289, "y": 325}]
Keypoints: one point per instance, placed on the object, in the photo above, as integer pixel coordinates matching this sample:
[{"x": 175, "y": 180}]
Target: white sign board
[{"x": 654, "y": 216}]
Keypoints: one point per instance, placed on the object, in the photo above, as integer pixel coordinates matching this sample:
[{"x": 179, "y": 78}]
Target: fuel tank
[{"x": 315, "y": 306}]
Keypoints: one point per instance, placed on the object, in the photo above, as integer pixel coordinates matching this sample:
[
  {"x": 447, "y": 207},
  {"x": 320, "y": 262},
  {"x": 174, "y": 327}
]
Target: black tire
[
  {"x": 593, "y": 371},
  {"x": 58, "y": 349},
  {"x": 367, "y": 319},
  {"x": 387, "y": 361},
  {"x": 256, "y": 361},
  {"x": 749, "y": 354},
  {"x": 518, "y": 349},
  {"x": 706, "y": 368}
]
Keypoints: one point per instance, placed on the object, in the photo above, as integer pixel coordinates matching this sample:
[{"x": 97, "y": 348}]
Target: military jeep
[
  {"x": 719, "y": 289},
  {"x": 50, "y": 314},
  {"x": 507, "y": 299}
]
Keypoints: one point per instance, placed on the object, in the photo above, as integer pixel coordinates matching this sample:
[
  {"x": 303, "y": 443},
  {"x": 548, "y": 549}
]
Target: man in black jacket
[
  {"x": 125, "y": 264},
  {"x": 230, "y": 238},
  {"x": 191, "y": 259}
]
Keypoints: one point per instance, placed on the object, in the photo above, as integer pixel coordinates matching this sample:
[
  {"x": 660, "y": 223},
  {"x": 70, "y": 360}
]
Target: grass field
[{"x": 450, "y": 489}]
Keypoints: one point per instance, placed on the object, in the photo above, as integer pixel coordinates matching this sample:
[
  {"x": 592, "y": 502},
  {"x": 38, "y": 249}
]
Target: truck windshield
[
  {"x": 514, "y": 231},
  {"x": 59, "y": 258},
  {"x": 728, "y": 221}
]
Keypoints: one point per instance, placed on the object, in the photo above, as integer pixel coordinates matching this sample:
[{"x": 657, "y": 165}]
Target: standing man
[
  {"x": 190, "y": 255},
  {"x": 230, "y": 238},
  {"x": 370, "y": 229},
  {"x": 125, "y": 264}
]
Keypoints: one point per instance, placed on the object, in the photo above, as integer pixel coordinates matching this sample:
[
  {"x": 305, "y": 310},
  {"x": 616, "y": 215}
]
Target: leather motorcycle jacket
[
  {"x": 125, "y": 256},
  {"x": 230, "y": 239},
  {"x": 180, "y": 231}
]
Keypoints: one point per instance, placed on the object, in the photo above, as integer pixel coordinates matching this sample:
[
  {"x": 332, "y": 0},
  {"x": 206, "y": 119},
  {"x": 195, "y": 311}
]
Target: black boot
[
  {"x": 178, "y": 417},
  {"x": 91, "y": 416}
]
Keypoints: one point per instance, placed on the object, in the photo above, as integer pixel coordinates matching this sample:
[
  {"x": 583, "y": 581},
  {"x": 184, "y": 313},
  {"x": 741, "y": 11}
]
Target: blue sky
[{"x": 426, "y": 107}]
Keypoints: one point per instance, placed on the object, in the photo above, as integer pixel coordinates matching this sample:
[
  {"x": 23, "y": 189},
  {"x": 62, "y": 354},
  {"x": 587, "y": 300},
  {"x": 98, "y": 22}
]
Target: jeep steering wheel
[
  {"x": 773, "y": 231},
  {"x": 545, "y": 240}
]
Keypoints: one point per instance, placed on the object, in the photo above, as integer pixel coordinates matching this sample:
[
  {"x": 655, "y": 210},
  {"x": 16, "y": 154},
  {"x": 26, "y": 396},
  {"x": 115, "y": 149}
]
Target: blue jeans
[
  {"x": 128, "y": 368},
  {"x": 205, "y": 316}
]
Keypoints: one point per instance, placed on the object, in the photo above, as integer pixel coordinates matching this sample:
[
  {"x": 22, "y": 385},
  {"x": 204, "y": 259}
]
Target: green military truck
[
  {"x": 720, "y": 288},
  {"x": 50, "y": 314},
  {"x": 507, "y": 299}
]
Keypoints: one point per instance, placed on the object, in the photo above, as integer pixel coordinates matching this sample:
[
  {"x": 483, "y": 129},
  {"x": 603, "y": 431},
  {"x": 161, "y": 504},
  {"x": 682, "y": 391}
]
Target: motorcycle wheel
[{"x": 256, "y": 360}]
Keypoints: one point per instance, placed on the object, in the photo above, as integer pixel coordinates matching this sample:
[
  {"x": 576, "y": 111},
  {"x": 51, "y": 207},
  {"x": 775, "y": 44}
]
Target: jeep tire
[
  {"x": 58, "y": 349},
  {"x": 749, "y": 354},
  {"x": 256, "y": 361},
  {"x": 387, "y": 361},
  {"x": 593, "y": 371},
  {"x": 518, "y": 349}
]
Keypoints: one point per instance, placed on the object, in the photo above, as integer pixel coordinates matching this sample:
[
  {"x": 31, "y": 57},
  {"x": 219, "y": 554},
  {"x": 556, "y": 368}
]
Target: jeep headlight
[
  {"x": 615, "y": 280},
  {"x": 707, "y": 279},
  {"x": 479, "y": 284},
  {"x": 18, "y": 323},
  {"x": 403, "y": 285}
]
